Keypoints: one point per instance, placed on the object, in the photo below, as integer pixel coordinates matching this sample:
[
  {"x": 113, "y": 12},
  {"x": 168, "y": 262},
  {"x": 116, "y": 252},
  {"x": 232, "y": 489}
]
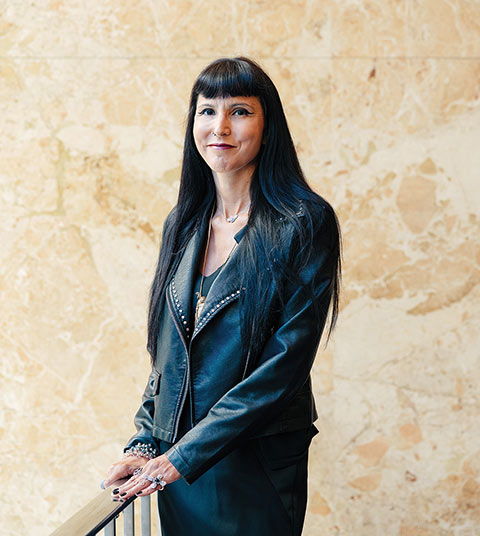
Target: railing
[{"x": 102, "y": 513}]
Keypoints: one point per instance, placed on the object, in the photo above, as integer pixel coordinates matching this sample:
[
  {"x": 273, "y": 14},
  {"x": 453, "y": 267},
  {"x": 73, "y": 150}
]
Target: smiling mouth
[{"x": 221, "y": 146}]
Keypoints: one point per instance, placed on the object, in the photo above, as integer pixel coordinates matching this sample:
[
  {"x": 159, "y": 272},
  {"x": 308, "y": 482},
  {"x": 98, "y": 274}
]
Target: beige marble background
[{"x": 383, "y": 101}]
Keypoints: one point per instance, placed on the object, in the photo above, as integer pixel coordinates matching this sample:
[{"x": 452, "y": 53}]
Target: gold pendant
[{"x": 198, "y": 309}]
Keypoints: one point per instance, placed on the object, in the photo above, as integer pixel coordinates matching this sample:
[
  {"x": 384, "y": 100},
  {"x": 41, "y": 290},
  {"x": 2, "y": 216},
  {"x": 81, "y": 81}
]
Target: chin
[
  {"x": 219, "y": 167},
  {"x": 222, "y": 169}
]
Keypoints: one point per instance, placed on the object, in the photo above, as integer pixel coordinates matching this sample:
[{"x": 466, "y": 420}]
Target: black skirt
[{"x": 260, "y": 488}]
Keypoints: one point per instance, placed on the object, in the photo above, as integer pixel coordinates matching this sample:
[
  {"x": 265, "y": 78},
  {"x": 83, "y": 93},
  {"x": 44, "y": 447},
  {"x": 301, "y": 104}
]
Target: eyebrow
[{"x": 231, "y": 106}]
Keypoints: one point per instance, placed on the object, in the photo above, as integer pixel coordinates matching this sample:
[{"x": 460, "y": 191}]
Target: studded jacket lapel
[
  {"x": 180, "y": 289},
  {"x": 225, "y": 289}
]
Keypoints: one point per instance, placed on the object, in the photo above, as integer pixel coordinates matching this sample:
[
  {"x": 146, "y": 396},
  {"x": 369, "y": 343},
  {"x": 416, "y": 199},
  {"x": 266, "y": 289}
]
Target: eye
[
  {"x": 206, "y": 111},
  {"x": 241, "y": 111}
]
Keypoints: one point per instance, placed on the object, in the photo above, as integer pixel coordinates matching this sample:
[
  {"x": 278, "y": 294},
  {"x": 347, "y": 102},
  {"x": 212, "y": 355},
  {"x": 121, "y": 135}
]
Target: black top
[
  {"x": 185, "y": 420},
  {"x": 207, "y": 283}
]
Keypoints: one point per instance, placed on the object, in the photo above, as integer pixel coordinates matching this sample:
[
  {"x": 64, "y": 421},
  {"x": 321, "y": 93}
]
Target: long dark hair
[{"x": 279, "y": 194}]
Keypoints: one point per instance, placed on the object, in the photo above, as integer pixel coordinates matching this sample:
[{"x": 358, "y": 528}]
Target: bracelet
[{"x": 142, "y": 450}]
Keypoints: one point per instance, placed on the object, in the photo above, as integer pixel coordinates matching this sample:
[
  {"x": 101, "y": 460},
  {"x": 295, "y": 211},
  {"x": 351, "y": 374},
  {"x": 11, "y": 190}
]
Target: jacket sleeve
[
  {"x": 282, "y": 369},
  {"x": 144, "y": 417}
]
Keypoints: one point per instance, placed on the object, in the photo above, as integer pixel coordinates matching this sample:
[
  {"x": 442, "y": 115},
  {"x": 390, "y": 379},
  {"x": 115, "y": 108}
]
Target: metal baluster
[
  {"x": 128, "y": 521},
  {"x": 145, "y": 501},
  {"x": 159, "y": 522},
  {"x": 110, "y": 529}
]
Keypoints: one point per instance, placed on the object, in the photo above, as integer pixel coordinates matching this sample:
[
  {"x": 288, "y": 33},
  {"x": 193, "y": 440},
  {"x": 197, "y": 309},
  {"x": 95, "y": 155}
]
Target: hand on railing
[
  {"x": 151, "y": 476},
  {"x": 123, "y": 469}
]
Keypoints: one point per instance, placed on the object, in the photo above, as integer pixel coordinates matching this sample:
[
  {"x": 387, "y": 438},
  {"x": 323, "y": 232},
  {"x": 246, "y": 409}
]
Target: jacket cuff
[
  {"x": 180, "y": 464},
  {"x": 146, "y": 440}
]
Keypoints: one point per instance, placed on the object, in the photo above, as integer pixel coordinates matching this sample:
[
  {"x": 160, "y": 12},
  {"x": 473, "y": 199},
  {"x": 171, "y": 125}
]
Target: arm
[
  {"x": 144, "y": 452},
  {"x": 280, "y": 372},
  {"x": 143, "y": 419},
  {"x": 143, "y": 439}
]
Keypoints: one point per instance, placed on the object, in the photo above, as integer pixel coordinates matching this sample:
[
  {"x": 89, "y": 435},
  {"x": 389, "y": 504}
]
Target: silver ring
[
  {"x": 137, "y": 471},
  {"x": 158, "y": 480}
]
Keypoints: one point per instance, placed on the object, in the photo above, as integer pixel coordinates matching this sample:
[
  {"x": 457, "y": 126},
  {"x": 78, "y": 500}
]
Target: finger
[
  {"x": 134, "y": 480},
  {"x": 130, "y": 462},
  {"x": 131, "y": 483},
  {"x": 110, "y": 470},
  {"x": 117, "y": 474},
  {"x": 147, "y": 491},
  {"x": 162, "y": 466},
  {"x": 139, "y": 485},
  {"x": 153, "y": 468},
  {"x": 123, "y": 469},
  {"x": 155, "y": 483},
  {"x": 127, "y": 486},
  {"x": 134, "y": 489},
  {"x": 149, "y": 488}
]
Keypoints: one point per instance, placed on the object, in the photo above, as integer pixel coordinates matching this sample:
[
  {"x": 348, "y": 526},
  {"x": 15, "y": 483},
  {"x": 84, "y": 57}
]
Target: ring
[
  {"x": 137, "y": 471},
  {"x": 158, "y": 480}
]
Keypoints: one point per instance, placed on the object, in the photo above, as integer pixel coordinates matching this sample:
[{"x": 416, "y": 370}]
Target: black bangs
[{"x": 227, "y": 78}]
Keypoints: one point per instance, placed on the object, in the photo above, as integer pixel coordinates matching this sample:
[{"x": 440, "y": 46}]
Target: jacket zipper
[{"x": 187, "y": 372}]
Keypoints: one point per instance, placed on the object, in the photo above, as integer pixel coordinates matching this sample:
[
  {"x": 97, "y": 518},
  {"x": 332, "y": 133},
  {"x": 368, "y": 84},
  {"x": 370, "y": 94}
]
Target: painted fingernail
[
  {"x": 138, "y": 492},
  {"x": 123, "y": 494},
  {"x": 115, "y": 491},
  {"x": 117, "y": 500}
]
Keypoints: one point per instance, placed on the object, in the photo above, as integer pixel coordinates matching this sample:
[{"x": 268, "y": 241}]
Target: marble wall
[{"x": 383, "y": 101}]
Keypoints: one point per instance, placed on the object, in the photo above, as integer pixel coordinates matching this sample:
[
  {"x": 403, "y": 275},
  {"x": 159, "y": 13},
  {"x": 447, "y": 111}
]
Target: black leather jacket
[{"x": 228, "y": 404}]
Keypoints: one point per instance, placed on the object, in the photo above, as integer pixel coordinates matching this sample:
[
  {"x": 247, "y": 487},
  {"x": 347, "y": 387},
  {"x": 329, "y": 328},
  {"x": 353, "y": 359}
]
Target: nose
[{"x": 221, "y": 126}]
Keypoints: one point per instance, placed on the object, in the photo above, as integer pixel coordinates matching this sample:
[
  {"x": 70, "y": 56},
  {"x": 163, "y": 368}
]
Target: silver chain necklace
[
  {"x": 232, "y": 219},
  {"x": 200, "y": 298}
]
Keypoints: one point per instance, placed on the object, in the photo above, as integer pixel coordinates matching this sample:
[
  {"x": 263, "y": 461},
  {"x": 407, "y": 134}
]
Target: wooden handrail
[{"x": 93, "y": 517}]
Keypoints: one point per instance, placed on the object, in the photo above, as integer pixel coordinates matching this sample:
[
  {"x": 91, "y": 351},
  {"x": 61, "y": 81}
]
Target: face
[{"x": 228, "y": 132}]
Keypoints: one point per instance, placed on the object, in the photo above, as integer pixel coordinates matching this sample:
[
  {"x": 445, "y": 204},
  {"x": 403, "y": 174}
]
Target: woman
[{"x": 248, "y": 269}]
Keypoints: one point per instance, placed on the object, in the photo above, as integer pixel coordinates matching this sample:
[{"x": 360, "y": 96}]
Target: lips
[{"x": 221, "y": 146}]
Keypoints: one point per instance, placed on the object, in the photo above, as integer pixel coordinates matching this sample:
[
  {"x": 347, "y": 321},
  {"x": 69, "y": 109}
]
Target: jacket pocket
[{"x": 287, "y": 448}]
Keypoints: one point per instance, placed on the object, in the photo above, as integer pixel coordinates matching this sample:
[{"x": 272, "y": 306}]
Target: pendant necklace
[
  {"x": 232, "y": 219},
  {"x": 202, "y": 299}
]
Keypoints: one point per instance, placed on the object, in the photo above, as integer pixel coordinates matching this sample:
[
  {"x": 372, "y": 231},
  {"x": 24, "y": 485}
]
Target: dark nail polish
[
  {"x": 138, "y": 492},
  {"x": 115, "y": 491},
  {"x": 123, "y": 494}
]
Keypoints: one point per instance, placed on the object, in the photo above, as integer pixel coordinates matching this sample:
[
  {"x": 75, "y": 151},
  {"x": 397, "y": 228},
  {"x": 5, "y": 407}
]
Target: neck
[{"x": 232, "y": 192}]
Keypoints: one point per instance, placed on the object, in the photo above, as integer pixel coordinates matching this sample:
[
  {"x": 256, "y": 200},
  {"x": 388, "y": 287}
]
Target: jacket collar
[
  {"x": 224, "y": 290},
  {"x": 240, "y": 234}
]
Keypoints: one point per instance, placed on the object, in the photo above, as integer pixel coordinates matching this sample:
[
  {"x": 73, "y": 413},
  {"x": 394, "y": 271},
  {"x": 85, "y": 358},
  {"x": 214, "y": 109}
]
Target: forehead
[{"x": 229, "y": 101}]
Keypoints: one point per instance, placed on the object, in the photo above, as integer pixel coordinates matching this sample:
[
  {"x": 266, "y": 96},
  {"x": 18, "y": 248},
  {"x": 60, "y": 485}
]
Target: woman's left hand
[{"x": 138, "y": 484}]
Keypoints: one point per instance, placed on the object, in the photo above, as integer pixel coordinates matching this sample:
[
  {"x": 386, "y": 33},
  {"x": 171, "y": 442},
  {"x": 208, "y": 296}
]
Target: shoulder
[
  {"x": 169, "y": 223},
  {"x": 315, "y": 236},
  {"x": 318, "y": 207},
  {"x": 170, "y": 219},
  {"x": 314, "y": 217}
]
